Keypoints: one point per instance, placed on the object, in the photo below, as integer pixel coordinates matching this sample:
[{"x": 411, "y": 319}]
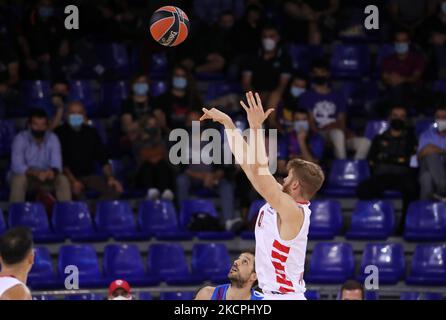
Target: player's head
[
  {"x": 243, "y": 271},
  {"x": 16, "y": 249},
  {"x": 119, "y": 290},
  {"x": 352, "y": 290},
  {"x": 304, "y": 179}
]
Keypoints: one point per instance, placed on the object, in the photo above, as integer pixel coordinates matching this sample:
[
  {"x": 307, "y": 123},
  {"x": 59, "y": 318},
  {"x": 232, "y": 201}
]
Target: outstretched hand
[
  {"x": 256, "y": 114},
  {"x": 215, "y": 115}
]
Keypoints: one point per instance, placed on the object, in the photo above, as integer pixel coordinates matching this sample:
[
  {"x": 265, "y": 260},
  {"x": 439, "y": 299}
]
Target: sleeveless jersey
[
  {"x": 279, "y": 263},
  {"x": 220, "y": 293},
  {"x": 7, "y": 282}
]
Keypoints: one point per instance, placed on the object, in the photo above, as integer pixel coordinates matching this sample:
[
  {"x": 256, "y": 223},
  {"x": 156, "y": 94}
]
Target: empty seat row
[{"x": 165, "y": 262}]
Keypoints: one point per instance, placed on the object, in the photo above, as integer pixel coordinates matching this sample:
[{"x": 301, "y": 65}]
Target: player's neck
[
  {"x": 17, "y": 272},
  {"x": 300, "y": 199},
  {"x": 235, "y": 293}
]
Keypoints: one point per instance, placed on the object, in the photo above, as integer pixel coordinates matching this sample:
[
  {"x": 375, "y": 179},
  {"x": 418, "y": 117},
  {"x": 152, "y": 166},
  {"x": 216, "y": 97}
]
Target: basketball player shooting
[{"x": 283, "y": 222}]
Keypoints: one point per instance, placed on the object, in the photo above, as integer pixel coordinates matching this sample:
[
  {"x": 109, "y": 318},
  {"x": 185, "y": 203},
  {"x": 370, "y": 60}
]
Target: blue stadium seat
[
  {"x": 439, "y": 86},
  {"x": 177, "y": 295},
  {"x": 371, "y": 295},
  {"x": 325, "y": 220},
  {"x": 37, "y": 94},
  {"x": 159, "y": 66},
  {"x": 372, "y": 220},
  {"x": 331, "y": 263},
  {"x": 312, "y": 295},
  {"x": 211, "y": 261},
  {"x": 81, "y": 90},
  {"x": 112, "y": 95},
  {"x": 73, "y": 220},
  {"x": 345, "y": 176},
  {"x": 350, "y": 61},
  {"x": 422, "y": 125},
  {"x": 217, "y": 90},
  {"x": 433, "y": 296},
  {"x": 191, "y": 207},
  {"x": 389, "y": 258},
  {"x": 253, "y": 212},
  {"x": 159, "y": 218},
  {"x": 101, "y": 130},
  {"x": 302, "y": 56},
  {"x": 375, "y": 127},
  {"x": 7, "y": 134},
  {"x": 41, "y": 297},
  {"x": 384, "y": 51},
  {"x": 410, "y": 296},
  {"x": 85, "y": 297},
  {"x": 34, "y": 216},
  {"x": 42, "y": 275},
  {"x": 115, "y": 58},
  {"x": 428, "y": 265},
  {"x": 168, "y": 262},
  {"x": 421, "y": 296},
  {"x": 157, "y": 88},
  {"x": 125, "y": 262},
  {"x": 426, "y": 221},
  {"x": 85, "y": 259},
  {"x": 116, "y": 219},
  {"x": 145, "y": 296},
  {"x": 2, "y": 222}
]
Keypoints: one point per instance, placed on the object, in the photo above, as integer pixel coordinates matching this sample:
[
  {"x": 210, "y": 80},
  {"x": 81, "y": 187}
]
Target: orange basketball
[{"x": 169, "y": 26}]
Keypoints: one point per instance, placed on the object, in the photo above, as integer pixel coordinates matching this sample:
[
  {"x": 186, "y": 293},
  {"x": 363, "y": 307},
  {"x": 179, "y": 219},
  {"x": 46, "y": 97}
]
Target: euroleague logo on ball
[{"x": 169, "y": 26}]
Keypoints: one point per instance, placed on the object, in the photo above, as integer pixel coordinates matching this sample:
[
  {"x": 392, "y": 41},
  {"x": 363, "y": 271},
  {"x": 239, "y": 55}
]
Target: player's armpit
[
  {"x": 18, "y": 292},
  {"x": 204, "y": 293}
]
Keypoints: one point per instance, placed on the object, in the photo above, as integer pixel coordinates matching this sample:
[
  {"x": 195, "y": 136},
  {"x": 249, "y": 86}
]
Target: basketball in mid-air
[{"x": 169, "y": 26}]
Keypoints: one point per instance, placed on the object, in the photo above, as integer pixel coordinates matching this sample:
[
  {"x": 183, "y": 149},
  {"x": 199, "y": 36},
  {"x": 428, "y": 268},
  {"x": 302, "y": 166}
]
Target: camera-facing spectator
[
  {"x": 82, "y": 150},
  {"x": 119, "y": 290},
  {"x": 36, "y": 161},
  {"x": 327, "y": 109},
  {"x": 432, "y": 158},
  {"x": 352, "y": 290}
]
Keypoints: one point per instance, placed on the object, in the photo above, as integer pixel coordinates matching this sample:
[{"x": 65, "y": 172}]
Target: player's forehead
[{"x": 248, "y": 256}]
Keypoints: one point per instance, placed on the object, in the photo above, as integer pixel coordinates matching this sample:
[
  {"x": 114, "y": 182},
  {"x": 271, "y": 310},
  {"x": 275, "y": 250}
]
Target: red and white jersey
[
  {"x": 279, "y": 263},
  {"x": 7, "y": 282}
]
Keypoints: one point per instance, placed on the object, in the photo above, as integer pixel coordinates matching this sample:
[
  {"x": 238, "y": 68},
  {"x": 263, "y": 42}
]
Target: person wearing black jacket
[{"x": 389, "y": 159}]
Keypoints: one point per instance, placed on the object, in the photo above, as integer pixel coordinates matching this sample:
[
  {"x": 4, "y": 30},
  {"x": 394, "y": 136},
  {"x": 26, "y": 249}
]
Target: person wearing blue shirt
[
  {"x": 432, "y": 159},
  {"x": 36, "y": 161},
  {"x": 242, "y": 277}
]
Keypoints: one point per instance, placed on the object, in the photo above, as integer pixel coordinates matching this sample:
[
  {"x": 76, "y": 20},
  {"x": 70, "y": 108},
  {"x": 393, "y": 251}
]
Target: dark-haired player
[
  {"x": 16, "y": 258},
  {"x": 242, "y": 277}
]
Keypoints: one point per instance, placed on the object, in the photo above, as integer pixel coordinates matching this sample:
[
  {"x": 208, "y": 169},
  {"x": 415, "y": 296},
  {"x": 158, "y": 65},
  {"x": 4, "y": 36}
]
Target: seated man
[
  {"x": 389, "y": 160},
  {"x": 432, "y": 158},
  {"x": 82, "y": 150},
  {"x": 242, "y": 277},
  {"x": 352, "y": 290},
  {"x": 36, "y": 161}
]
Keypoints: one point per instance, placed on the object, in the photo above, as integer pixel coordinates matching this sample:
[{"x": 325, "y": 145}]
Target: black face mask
[
  {"x": 38, "y": 134},
  {"x": 320, "y": 80},
  {"x": 397, "y": 124}
]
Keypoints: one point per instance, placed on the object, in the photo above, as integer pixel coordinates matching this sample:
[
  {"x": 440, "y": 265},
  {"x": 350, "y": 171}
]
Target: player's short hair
[
  {"x": 351, "y": 285},
  {"x": 310, "y": 176},
  {"x": 15, "y": 245}
]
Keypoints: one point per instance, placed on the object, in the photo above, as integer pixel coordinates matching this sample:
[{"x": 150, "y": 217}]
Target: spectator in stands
[
  {"x": 36, "y": 161},
  {"x": 300, "y": 142},
  {"x": 308, "y": 20},
  {"x": 248, "y": 30},
  {"x": 154, "y": 171},
  {"x": 181, "y": 97},
  {"x": 82, "y": 151},
  {"x": 437, "y": 37},
  {"x": 119, "y": 290},
  {"x": 59, "y": 96},
  {"x": 389, "y": 160},
  {"x": 207, "y": 176},
  {"x": 328, "y": 114},
  {"x": 287, "y": 103},
  {"x": 42, "y": 37},
  {"x": 432, "y": 159},
  {"x": 352, "y": 290},
  {"x": 269, "y": 69},
  {"x": 209, "y": 11},
  {"x": 402, "y": 72}
]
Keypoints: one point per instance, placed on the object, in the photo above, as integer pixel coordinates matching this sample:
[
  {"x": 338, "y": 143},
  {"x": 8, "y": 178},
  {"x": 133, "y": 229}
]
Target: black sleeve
[
  {"x": 127, "y": 107},
  {"x": 374, "y": 149},
  {"x": 98, "y": 148},
  {"x": 60, "y": 134}
]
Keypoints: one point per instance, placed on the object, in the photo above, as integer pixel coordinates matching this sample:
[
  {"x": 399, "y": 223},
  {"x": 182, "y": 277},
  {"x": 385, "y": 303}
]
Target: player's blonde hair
[{"x": 309, "y": 174}]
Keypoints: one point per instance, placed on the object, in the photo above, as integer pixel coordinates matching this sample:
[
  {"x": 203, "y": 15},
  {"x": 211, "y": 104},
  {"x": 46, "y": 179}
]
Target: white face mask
[
  {"x": 268, "y": 44},
  {"x": 441, "y": 125},
  {"x": 122, "y": 298}
]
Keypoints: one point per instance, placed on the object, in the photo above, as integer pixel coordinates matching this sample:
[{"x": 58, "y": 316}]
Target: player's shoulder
[
  {"x": 205, "y": 293},
  {"x": 17, "y": 292}
]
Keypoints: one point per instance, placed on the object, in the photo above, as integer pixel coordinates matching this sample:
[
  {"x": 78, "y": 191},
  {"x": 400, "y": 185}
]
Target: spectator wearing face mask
[
  {"x": 82, "y": 149},
  {"x": 389, "y": 160},
  {"x": 36, "y": 161},
  {"x": 432, "y": 159},
  {"x": 437, "y": 38},
  {"x": 269, "y": 70},
  {"x": 402, "y": 72},
  {"x": 119, "y": 290},
  {"x": 327, "y": 109},
  {"x": 181, "y": 97}
]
